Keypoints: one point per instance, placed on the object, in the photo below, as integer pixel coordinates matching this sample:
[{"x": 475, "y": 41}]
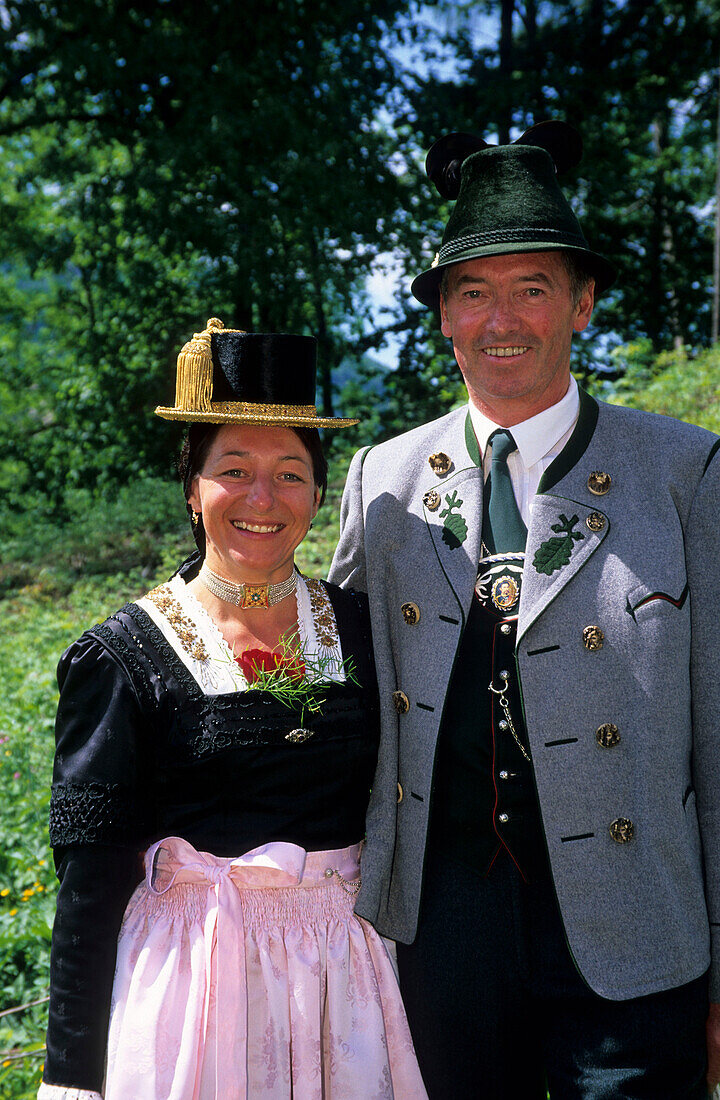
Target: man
[{"x": 543, "y": 834}]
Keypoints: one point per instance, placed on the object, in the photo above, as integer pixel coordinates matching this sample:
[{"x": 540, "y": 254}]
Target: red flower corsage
[{"x": 256, "y": 662}]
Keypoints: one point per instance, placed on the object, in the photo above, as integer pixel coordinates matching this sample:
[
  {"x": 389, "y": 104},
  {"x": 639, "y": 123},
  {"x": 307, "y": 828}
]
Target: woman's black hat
[{"x": 228, "y": 376}]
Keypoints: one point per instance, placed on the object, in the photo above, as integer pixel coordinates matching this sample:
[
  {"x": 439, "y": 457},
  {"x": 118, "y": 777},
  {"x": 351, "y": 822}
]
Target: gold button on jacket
[
  {"x": 607, "y": 735},
  {"x": 400, "y": 702},
  {"x": 440, "y": 463},
  {"x": 595, "y": 521},
  {"x": 599, "y": 483},
  {"x": 593, "y": 638},
  {"x": 410, "y": 613},
  {"x": 622, "y": 830}
]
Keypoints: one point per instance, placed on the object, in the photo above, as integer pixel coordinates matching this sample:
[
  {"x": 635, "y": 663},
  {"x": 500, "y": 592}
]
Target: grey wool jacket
[{"x": 639, "y": 562}]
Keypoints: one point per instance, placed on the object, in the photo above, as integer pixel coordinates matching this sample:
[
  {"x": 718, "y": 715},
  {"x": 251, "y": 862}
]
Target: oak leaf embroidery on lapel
[
  {"x": 556, "y": 552},
  {"x": 454, "y": 530}
]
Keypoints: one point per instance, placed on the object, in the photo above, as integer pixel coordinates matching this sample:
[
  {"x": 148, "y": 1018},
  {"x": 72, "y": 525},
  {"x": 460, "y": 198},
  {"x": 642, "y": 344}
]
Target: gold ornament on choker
[{"x": 246, "y": 596}]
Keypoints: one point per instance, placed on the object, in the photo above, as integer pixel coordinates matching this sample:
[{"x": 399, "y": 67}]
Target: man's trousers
[{"x": 499, "y": 1011}]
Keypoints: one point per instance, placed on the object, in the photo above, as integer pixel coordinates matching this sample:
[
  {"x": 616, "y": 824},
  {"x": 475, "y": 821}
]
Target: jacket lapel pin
[
  {"x": 556, "y": 552},
  {"x": 441, "y": 464},
  {"x": 599, "y": 483},
  {"x": 454, "y": 531}
]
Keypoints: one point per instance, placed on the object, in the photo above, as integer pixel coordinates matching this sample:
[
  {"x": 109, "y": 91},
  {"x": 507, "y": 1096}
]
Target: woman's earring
[{"x": 194, "y": 517}]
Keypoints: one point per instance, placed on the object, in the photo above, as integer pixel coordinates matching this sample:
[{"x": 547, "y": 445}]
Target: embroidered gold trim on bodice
[
  {"x": 184, "y": 627},
  {"x": 320, "y": 607}
]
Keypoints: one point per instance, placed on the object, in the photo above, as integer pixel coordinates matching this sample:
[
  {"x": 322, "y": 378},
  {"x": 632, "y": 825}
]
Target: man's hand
[{"x": 712, "y": 1029}]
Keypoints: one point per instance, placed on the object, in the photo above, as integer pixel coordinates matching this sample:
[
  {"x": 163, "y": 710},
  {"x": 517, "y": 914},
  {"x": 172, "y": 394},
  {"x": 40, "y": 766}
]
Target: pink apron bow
[{"x": 173, "y": 861}]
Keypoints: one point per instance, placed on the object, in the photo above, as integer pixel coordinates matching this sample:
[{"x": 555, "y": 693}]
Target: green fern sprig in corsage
[{"x": 294, "y": 678}]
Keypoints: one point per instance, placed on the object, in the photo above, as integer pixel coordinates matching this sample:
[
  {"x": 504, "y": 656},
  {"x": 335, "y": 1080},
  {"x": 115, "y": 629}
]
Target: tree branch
[{"x": 37, "y": 122}]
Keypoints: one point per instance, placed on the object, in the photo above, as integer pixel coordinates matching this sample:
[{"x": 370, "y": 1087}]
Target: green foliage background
[{"x": 259, "y": 164}]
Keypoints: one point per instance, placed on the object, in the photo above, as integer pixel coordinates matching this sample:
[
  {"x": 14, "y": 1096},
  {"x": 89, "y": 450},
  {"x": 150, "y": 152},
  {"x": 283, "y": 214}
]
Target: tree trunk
[
  {"x": 504, "y": 120},
  {"x": 716, "y": 251},
  {"x": 325, "y": 344},
  {"x": 534, "y": 61},
  {"x": 666, "y": 296}
]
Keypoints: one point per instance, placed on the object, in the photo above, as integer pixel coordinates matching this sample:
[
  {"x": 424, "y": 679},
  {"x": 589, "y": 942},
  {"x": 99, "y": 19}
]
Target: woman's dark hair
[{"x": 196, "y": 447}]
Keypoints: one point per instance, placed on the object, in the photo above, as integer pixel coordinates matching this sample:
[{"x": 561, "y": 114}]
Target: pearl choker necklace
[{"x": 247, "y": 595}]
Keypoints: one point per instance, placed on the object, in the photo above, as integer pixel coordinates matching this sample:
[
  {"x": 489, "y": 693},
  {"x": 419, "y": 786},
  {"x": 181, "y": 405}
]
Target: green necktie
[{"x": 503, "y": 528}]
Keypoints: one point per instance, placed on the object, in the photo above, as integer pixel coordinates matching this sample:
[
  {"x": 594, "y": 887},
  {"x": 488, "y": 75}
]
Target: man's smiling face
[{"x": 511, "y": 320}]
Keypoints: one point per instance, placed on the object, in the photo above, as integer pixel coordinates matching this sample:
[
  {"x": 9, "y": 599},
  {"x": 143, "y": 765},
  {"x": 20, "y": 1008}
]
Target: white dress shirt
[{"x": 539, "y": 440}]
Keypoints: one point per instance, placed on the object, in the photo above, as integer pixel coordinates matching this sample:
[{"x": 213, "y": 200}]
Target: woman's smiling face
[{"x": 257, "y": 496}]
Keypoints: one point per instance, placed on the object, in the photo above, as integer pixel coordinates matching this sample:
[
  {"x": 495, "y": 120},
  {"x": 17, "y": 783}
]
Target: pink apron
[{"x": 252, "y": 979}]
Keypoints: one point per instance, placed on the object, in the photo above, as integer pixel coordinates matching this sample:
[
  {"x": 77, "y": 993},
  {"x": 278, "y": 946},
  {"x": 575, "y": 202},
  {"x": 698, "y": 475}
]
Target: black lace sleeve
[{"x": 103, "y": 738}]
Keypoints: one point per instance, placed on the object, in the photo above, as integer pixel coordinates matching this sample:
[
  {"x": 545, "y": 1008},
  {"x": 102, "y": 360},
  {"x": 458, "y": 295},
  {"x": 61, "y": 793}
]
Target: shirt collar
[{"x": 537, "y": 436}]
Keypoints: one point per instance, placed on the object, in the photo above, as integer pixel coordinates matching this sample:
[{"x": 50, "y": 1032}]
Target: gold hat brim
[{"x": 262, "y": 415}]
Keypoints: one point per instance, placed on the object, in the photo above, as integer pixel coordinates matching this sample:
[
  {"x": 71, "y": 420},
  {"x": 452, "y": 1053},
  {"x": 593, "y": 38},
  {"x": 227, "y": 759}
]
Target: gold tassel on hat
[{"x": 193, "y": 389}]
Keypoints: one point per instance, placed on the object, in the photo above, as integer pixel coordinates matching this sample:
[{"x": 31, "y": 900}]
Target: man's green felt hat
[{"x": 509, "y": 200}]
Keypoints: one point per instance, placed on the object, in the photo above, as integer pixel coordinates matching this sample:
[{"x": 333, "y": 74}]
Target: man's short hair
[
  {"x": 579, "y": 277},
  {"x": 577, "y": 274}
]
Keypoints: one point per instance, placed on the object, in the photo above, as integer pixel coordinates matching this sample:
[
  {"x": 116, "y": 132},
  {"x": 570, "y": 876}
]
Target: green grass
[{"x": 53, "y": 585}]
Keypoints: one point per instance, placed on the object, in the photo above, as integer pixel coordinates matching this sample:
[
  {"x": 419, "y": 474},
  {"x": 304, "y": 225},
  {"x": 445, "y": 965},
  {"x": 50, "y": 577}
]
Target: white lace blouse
[{"x": 197, "y": 640}]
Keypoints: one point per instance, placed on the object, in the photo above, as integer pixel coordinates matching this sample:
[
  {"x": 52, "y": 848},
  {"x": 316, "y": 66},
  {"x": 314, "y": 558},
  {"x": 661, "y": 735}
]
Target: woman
[{"x": 239, "y": 969}]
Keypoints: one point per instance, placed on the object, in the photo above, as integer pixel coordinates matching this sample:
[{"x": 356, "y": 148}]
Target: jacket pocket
[{"x": 664, "y": 599}]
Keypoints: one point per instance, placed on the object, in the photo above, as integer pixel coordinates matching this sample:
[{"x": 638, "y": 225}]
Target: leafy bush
[
  {"x": 675, "y": 384},
  {"x": 135, "y": 527}
]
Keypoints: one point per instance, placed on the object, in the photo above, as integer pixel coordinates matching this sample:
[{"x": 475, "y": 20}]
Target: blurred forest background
[{"x": 163, "y": 161}]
